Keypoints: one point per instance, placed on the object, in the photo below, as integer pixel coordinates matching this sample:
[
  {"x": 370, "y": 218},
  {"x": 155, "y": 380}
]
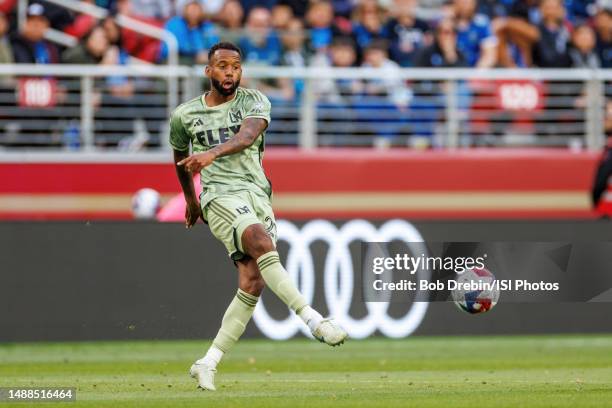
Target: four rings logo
[{"x": 338, "y": 278}]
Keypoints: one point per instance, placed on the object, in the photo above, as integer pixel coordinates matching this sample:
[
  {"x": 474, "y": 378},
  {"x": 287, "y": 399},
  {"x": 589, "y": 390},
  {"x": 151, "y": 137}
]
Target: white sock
[
  {"x": 311, "y": 317},
  {"x": 212, "y": 357}
]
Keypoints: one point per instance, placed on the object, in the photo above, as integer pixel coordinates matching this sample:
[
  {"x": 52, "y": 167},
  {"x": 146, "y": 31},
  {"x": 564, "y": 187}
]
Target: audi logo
[{"x": 338, "y": 275}]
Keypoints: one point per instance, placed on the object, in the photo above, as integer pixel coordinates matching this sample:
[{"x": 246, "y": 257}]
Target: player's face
[{"x": 225, "y": 71}]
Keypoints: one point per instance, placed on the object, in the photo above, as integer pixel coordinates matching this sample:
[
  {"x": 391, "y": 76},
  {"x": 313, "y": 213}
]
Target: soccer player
[{"x": 226, "y": 128}]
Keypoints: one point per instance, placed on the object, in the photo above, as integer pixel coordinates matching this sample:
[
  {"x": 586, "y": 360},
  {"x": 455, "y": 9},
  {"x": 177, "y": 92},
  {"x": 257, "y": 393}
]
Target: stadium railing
[{"x": 78, "y": 107}]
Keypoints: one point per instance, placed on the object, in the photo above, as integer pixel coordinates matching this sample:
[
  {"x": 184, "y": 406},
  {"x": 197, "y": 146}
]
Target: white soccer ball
[
  {"x": 476, "y": 291},
  {"x": 145, "y": 204}
]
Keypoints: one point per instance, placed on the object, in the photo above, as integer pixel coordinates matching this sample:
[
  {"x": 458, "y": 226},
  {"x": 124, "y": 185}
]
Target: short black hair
[
  {"x": 378, "y": 44},
  {"x": 343, "y": 41},
  {"x": 224, "y": 45}
]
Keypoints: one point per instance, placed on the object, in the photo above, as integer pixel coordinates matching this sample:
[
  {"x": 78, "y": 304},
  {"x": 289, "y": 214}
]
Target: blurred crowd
[
  {"x": 403, "y": 33},
  {"x": 387, "y": 34}
]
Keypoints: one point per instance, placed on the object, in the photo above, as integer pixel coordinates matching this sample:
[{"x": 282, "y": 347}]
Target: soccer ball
[
  {"x": 145, "y": 204},
  {"x": 475, "y": 299}
]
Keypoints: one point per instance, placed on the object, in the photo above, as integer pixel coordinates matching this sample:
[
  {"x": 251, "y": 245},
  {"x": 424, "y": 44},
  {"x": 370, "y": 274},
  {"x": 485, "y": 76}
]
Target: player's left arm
[{"x": 250, "y": 129}]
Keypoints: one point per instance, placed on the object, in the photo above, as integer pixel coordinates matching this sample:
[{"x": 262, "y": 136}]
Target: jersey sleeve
[
  {"x": 179, "y": 139},
  {"x": 258, "y": 106}
]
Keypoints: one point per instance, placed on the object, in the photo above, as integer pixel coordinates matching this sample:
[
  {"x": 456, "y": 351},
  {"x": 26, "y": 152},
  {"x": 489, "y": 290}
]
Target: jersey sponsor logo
[
  {"x": 213, "y": 137},
  {"x": 338, "y": 278}
]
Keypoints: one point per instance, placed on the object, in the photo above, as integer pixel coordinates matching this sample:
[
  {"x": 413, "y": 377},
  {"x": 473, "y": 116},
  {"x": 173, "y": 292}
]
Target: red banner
[{"x": 330, "y": 183}]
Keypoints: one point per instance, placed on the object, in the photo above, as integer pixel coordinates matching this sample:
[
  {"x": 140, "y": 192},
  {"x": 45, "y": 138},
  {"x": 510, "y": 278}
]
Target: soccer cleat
[
  {"x": 329, "y": 332},
  {"x": 205, "y": 376}
]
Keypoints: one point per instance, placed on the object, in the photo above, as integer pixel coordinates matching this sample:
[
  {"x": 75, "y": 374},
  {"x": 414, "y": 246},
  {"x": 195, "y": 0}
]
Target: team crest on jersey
[{"x": 235, "y": 116}]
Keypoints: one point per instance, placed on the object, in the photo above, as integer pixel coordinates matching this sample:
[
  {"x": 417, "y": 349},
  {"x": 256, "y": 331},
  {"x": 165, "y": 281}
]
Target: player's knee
[
  {"x": 250, "y": 280},
  {"x": 256, "y": 241},
  {"x": 254, "y": 285}
]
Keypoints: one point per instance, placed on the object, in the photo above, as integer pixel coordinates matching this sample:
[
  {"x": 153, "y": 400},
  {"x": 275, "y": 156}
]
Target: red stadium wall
[{"x": 334, "y": 183}]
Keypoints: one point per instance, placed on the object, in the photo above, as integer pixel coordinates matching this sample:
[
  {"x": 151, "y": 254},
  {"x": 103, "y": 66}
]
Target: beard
[{"x": 224, "y": 91}]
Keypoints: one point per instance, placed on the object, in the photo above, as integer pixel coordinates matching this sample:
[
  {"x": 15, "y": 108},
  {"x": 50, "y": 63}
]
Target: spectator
[
  {"x": 583, "y": 53},
  {"x": 281, "y": 15},
  {"x": 91, "y": 49},
  {"x": 231, "y": 18},
  {"x": 515, "y": 35},
  {"x": 296, "y": 55},
  {"x": 120, "y": 109},
  {"x": 603, "y": 28},
  {"x": 474, "y": 37},
  {"x": 194, "y": 34},
  {"x": 407, "y": 33},
  {"x": 29, "y": 45},
  {"x": 260, "y": 44},
  {"x": 341, "y": 54},
  {"x": 320, "y": 19},
  {"x": 99, "y": 48},
  {"x": 386, "y": 96},
  {"x": 443, "y": 52},
  {"x": 113, "y": 33},
  {"x": 428, "y": 102},
  {"x": 388, "y": 85},
  {"x": 6, "y": 53},
  {"x": 369, "y": 24},
  {"x": 118, "y": 54},
  {"x": 551, "y": 49}
]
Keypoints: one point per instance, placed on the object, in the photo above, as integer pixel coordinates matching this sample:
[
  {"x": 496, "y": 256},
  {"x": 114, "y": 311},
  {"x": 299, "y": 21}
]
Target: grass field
[{"x": 558, "y": 371}]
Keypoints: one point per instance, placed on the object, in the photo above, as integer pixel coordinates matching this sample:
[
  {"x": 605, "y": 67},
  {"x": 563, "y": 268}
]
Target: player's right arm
[{"x": 180, "y": 140}]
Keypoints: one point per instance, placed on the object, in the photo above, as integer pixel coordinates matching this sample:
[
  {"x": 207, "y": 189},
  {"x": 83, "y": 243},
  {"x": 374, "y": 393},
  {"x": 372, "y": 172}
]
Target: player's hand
[
  {"x": 197, "y": 162},
  {"x": 193, "y": 211}
]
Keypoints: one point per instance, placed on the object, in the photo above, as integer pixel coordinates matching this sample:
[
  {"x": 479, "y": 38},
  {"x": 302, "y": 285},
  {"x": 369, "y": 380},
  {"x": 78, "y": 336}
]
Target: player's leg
[
  {"x": 258, "y": 241},
  {"x": 235, "y": 319}
]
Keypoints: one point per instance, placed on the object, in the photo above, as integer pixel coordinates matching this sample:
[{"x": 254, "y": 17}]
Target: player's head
[{"x": 224, "y": 67}]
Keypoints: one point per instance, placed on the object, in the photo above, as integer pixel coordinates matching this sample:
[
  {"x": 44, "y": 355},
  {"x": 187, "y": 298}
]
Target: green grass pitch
[{"x": 535, "y": 371}]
